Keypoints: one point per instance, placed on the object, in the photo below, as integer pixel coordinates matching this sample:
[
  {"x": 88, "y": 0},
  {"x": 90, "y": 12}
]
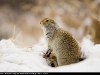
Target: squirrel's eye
[{"x": 46, "y": 20}]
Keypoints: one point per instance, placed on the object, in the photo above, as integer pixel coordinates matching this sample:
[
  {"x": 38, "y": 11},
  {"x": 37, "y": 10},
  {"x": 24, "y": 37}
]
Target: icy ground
[{"x": 29, "y": 59}]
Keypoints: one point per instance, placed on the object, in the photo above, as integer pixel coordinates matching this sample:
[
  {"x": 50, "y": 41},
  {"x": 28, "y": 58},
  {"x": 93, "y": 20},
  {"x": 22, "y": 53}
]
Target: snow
[
  {"x": 87, "y": 65},
  {"x": 29, "y": 59},
  {"x": 85, "y": 47},
  {"x": 14, "y": 59}
]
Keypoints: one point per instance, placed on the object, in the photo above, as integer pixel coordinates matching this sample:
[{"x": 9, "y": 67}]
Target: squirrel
[{"x": 60, "y": 43}]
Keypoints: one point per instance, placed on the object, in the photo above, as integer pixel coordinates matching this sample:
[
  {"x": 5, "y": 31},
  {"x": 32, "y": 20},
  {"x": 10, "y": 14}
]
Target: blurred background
[{"x": 20, "y": 19}]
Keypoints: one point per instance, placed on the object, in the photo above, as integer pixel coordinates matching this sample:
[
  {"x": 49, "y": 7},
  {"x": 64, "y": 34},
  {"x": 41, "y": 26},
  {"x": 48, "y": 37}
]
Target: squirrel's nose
[{"x": 40, "y": 22}]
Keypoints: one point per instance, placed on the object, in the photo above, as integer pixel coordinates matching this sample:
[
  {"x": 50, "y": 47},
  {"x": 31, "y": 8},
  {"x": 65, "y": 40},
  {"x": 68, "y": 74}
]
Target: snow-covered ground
[
  {"x": 29, "y": 59},
  {"x": 14, "y": 59}
]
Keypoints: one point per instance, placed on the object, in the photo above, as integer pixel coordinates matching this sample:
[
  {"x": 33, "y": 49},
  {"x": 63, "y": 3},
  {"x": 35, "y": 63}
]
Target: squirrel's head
[{"x": 47, "y": 22}]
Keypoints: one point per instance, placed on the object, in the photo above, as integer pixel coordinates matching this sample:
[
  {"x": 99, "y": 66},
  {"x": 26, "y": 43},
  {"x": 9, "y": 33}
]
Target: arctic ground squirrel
[{"x": 61, "y": 43}]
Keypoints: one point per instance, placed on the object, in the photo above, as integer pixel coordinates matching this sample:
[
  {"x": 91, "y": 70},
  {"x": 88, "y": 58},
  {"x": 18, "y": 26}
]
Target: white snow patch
[
  {"x": 85, "y": 47},
  {"x": 14, "y": 59}
]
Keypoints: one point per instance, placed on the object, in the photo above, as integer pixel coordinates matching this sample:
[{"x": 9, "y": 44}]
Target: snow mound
[
  {"x": 29, "y": 59},
  {"x": 14, "y": 59}
]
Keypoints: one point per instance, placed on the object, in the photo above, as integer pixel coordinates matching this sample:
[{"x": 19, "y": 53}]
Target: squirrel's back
[{"x": 65, "y": 47}]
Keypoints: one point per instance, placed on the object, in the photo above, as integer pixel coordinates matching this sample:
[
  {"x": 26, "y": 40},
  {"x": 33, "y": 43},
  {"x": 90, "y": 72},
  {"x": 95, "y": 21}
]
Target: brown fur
[{"x": 61, "y": 43}]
